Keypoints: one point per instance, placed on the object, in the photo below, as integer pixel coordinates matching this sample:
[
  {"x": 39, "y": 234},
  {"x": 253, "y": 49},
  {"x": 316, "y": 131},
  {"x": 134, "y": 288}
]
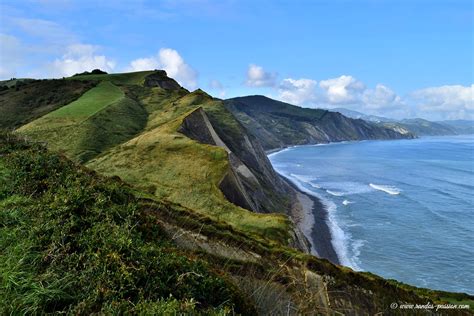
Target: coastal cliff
[
  {"x": 250, "y": 182},
  {"x": 277, "y": 124}
]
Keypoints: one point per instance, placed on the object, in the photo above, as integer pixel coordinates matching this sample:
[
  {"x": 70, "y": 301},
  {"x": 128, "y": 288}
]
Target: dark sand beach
[{"x": 311, "y": 217}]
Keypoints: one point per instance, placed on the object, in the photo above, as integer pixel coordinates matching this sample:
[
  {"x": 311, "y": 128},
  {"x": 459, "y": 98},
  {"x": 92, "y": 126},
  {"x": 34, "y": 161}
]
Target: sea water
[{"x": 402, "y": 209}]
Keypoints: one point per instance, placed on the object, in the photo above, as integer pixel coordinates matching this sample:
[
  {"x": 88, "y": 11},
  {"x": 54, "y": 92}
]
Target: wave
[
  {"x": 335, "y": 193},
  {"x": 339, "y": 238},
  {"x": 386, "y": 188},
  {"x": 279, "y": 151},
  {"x": 347, "y": 202},
  {"x": 302, "y": 178},
  {"x": 306, "y": 179},
  {"x": 341, "y": 188},
  {"x": 314, "y": 185}
]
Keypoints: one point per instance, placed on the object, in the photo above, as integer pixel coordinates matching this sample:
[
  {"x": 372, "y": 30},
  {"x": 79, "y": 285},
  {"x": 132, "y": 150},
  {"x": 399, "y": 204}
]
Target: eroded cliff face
[
  {"x": 159, "y": 78},
  {"x": 277, "y": 124},
  {"x": 250, "y": 182}
]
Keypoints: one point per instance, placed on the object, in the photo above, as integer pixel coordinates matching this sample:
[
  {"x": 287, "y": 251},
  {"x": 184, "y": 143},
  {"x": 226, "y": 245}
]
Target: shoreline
[{"x": 311, "y": 216}]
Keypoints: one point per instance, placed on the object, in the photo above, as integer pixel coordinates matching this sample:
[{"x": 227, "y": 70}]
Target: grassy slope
[
  {"x": 90, "y": 103},
  {"x": 75, "y": 242},
  {"x": 130, "y": 78},
  {"x": 30, "y": 101},
  {"x": 140, "y": 143},
  {"x": 170, "y": 166},
  {"x": 101, "y": 118}
]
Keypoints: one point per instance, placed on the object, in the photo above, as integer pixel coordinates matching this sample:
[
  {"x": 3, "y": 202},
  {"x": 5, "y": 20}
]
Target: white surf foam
[
  {"x": 347, "y": 202},
  {"x": 345, "y": 187},
  {"x": 339, "y": 238},
  {"x": 280, "y": 151},
  {"x": 386, "y": 188},
  {"x": 335, "y": 193},
  {"x": 306, "y": 179},
  {"x": 314, "y": 185},
  {"x": 302, "y": 178}
]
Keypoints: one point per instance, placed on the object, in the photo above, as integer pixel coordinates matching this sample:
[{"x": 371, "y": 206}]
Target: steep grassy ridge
[
  {"x": 90, "y": 103},
  {"x": 23, "y": 103},
  {"x": 101, "y": 118},
  {"x": 130, "y": 78},
  {"x": 173, "y": 167},
  {"x": 132, "y": 131}
]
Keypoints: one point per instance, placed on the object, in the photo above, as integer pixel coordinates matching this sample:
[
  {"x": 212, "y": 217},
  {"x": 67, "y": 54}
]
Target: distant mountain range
[
  {"x": 278, "y": 124},
  {"x": 416, "y": 126}
]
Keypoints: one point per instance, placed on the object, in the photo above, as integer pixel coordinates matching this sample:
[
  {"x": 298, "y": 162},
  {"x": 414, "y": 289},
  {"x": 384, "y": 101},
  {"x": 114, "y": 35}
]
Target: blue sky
[{"x": 396, "y": 58}]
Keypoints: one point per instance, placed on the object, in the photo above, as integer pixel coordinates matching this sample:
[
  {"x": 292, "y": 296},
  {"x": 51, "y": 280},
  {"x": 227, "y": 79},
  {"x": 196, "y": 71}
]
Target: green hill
[
  {"x": 278, "y": 124},
  {"x": 182, "y": 201},
  {"x": 22, "y": 103},
  {"x": 133, "y": 133}
]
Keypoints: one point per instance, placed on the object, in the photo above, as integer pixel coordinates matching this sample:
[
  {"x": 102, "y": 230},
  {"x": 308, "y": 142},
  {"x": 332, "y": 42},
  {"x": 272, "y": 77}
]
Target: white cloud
[
  {"x": 79, "y": 58},
  {"x": 10, "y": 56},
  {"x": 217, "y": 86},
  {"x": 382, "y": 97},
  {"x": 51, "y": 32},
  {"x": 258, "y": 77},
  {"x": 342, "y": 90},
  {"x": 435, "y": 103},
  {"x": 446, "y": 102},
  {"x": 172, "y": 62},
  {"x": 297, "y": 91},
  {"x": 175, "y": 66},
  {"x": 141, "y": 64}
]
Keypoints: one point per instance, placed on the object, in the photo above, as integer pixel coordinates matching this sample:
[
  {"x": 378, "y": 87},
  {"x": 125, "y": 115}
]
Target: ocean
[{"x": 402, "y": 209}]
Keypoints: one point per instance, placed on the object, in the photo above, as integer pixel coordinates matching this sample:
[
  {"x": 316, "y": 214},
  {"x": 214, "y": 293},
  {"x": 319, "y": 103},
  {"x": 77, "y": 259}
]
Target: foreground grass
[{"x": 77, "y": 243}]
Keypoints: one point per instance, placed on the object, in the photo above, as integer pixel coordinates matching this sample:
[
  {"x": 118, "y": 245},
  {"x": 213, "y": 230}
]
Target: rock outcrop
[
  {"x": 277, "y": 124},
  {"x": 250, "y": 182},
  {"x": 159, "y": 78}
]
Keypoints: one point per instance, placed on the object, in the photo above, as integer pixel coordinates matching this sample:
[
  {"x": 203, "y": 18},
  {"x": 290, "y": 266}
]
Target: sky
[{"x": 400, "y": 59}]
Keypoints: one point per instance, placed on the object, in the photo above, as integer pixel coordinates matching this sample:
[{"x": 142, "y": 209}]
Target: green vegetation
[
  {"x": 101, "y": 118},
  {"x": 130, "y": 78},
  {"x": 172, "y": 167},
  {"x": 34, "y": 99},
  {"x": 439, "y": 297},
  {"x": 90, "y": 103},
  {"x": 78, "y": 243},
  {"x": 277, "y": 124},
  {"x": 131, "y": 132},
  {"x": 93, "y": 72},
  {"x": 75, "y": 242},
  {"x": 15, "y": 82}
]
